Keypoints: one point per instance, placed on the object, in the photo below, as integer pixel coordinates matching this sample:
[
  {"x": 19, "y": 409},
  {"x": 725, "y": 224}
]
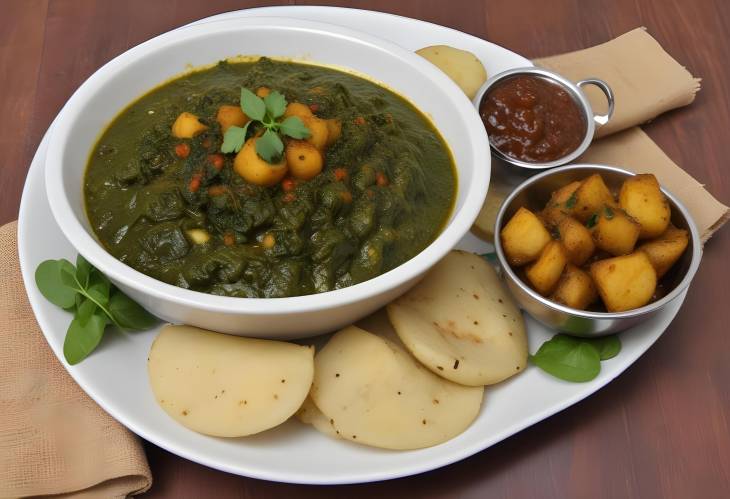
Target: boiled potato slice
[
  {"x": 641, "y": 197},
  {"x": 561, "y": 204},
  {"x": 625, "y": 282},
  {"x": 577, "y": 240},
  {"x": 461, "y": 322},
  {"x": 524, "y": 237},
  {"x": 310, "y": 414},
  {"x": 615, "y": 232},
  {"x": 227, "y": 386},
  {"x": 590, "y": 197},
  {"x": 575, "y": 288},
  {"x": 664, "y": 251},
  {"x": 461, "y": 66},
  {"x": 375, "y": 393},
  {"x": 545, "y": 273}
]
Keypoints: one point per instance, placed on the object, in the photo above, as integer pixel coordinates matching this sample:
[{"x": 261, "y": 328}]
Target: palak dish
[{"x": 268, "y": 179}]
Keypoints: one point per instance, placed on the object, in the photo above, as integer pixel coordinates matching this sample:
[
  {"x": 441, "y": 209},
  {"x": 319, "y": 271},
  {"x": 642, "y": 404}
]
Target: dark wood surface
[{"x": 660, "y": 430}]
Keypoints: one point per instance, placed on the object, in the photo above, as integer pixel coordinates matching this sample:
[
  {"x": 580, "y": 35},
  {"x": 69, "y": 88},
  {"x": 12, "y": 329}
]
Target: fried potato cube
[
  {"x": 625, "y": 282},
  {"x": 187, "y": 126},
  {"x": 575, "y": 288},
  {"x": 641, "y": 197},
  {"x": 524, "y": 237},
  {"x": 664, "y": 251},
  {"x": 616, "y": 232},
  {"x": 591, "y": 196},
  {"x": 577, "y": 240},
  {"x": 560, "y": 205},
  {"x": 545, "y": 273},
  {"x": 229, "y": 116}
]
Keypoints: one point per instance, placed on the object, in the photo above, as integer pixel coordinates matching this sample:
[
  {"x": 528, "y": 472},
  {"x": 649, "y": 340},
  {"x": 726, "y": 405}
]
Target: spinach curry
[{"x": 370, "y": 187}]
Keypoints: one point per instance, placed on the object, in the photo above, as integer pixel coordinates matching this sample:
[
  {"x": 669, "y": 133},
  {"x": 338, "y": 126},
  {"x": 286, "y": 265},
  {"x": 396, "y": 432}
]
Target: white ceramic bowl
[{"x": 124, "y": 79}]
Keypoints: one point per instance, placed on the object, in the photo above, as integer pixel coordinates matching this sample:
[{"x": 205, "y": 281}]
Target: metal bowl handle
[{"x": 601, "y": 119}]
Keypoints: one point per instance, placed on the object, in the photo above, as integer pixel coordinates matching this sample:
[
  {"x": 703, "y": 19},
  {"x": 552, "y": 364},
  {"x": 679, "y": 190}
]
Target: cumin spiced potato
[{"x": 344, "y": 183}]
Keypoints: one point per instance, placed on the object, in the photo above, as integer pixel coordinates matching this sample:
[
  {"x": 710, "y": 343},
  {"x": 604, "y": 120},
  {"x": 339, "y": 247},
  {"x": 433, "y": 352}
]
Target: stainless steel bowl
[
  {"x": 534, "y": 194},
  {"x": 574, "y": 90}
]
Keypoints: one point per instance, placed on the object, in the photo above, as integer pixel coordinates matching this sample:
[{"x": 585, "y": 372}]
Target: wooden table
[{"x": 660, "y": 430}]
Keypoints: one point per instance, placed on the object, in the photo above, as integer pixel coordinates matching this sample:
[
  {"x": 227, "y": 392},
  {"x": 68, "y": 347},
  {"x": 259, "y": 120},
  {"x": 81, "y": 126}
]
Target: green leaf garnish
[
  {"x": 269, "y": 146},
  {"x": 252, "y": 105},
  {"x": 592, "y": 221},
  {"x": 608, "y": 212},
  {"x": 294, "y": 127},
  {"x": 275, "y": 104},
  {"x": 94, "y": 301},
  {"x": 571, "y": 201},
  {"x": 234, "y": 138},
  {"x": 575, "y": 359}
]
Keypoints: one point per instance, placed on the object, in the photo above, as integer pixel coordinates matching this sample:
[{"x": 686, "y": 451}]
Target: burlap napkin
[
  {"x": 53, "y": 438},
  {"x": 646, "y": 82}
]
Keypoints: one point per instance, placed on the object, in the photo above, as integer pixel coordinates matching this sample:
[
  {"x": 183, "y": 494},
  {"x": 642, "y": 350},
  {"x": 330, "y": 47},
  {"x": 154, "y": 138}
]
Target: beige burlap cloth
[
  {"x": 53, "y": 438},
  {"x": 646, "y": 82}
]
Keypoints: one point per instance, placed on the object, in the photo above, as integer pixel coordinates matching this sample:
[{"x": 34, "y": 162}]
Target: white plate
[{"x": 115, "y": 376}]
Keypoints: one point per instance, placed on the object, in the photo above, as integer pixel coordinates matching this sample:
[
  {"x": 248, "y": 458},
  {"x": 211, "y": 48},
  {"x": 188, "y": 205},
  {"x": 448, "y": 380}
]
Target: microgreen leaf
[
  {"x": 128, "y": 313},
  {"x": 608, "y": 346},
  {"x": 275, "y": 104},
  {"x": 82, "y": 270},
  {"x": 269, "y": 146},
  {"x": 568, "y": 358},
  {"x": 81, "y": 340},
  {"x": 52, "y": 286},
  {"x": 99, "y": 287},
  {"x": 592, "y": 221},
  {"x": 252, "y": 105},
  {"x": 295, "y": 128},
  {"x": 84, "y": 311},
  {"x": 571, "y": 201},
  {"x": 234, "y": 138}
]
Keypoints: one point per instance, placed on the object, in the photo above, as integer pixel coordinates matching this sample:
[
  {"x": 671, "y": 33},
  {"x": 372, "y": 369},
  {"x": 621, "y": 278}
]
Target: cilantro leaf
[
  {"x": 570, "y": 203},
  {"x": 294, "y": 127},
  {"x": 252, "y": 105},
  {"x": 275, "y": 104},
  {"x": 592, "y": 221},
  {"x": 234, "y": 138},
  {"x": 269, "y": 146}
]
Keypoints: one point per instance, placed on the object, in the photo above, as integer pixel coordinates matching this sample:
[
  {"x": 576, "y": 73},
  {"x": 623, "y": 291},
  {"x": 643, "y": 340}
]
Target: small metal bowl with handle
[
  {"x": 574, "y": 90},
  {"x": 534, "y": 194}
]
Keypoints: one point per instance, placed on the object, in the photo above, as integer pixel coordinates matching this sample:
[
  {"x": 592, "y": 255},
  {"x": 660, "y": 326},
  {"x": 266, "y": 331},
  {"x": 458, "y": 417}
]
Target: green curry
[{"x": 178, "y": 210}]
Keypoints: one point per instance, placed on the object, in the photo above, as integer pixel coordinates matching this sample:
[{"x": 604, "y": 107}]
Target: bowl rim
[
  {"x": 87, "y": 245},
  {"x": 575, "y": 92},
  {"x": 695, "y": 246}
]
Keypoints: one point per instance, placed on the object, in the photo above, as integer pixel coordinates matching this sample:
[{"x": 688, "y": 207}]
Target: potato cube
[
  {"x": 615, "y": 231},
  {"x": 577, "y": 240},
  {"x": 625, "y": 282},
  {"x": 590, "y": 197},
  {"x": 664, "y": 251},
  {"x": 575, "y": 288},
  {"x": 187, "y": 126},
  {"x": 642, "y": 198},
  {"x": 524, "y": 237},
  {"x": 557, "y": 208},
  {"x": 545, "y": 273},
  {"x": 229, "y": 116}
]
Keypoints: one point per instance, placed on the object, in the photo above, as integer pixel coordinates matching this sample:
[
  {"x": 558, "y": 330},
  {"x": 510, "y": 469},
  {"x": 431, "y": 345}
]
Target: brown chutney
[{"x": 532, "y": 119}]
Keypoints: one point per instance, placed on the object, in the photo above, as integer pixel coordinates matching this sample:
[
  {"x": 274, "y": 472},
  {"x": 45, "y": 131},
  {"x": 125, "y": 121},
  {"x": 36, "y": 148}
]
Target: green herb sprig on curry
[{"x": 268, "y": 179}]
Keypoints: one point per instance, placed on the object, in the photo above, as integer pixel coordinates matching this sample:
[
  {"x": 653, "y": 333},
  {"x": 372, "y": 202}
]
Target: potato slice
[
  {"x": 641, "y": 197},
  {"x": 590, "y": 197},
  {"x": 575, "y": 288},
  {"x": 461, "y": 66},
  {"x": 461, "y": 322},
  {"x": 524, "y": 237},
  {"x": 625, "y": 282},
  {"x": 227, "y": 386},
  {"x": 664, "y": 251},
  {"x": 577, "y": 240},
  {"x": 545, "y": 273},
  {"x": 375, "y": 393},
  {"x": 561, "y": 204},
  {"x": 615, "y": 232},
  {"x": 310, "y": 414},
  {"x": 483, "y": 226}
]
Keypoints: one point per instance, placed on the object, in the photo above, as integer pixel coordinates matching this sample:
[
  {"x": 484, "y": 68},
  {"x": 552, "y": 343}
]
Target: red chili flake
[
  {"x": 216, "y": 160},
  {"x": 194, "y": 184},
  {"x": 182, "y": 150},
  {"x": 381, "y": 179},
  {"x": 346, "y": 197},
  {"x": 288, "y": 184},
  {"x": 359, "y": 120},
  {"x": 229, "y": 239},
  {"x": 314, "y": 107},
  {"x": 289, "y": 197},
  {"x": 340, "y": 174}
]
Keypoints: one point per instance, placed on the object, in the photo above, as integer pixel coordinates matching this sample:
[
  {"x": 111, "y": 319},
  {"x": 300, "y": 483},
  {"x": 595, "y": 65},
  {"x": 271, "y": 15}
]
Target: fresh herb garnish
[
  {"x": 571, "y": 201},
  {"x": 592, "y": 221},
  {"x": 608, "y": 212},
  {"x": 575, "y": 359},
  {"x": 265, "y": 113},
  {"x": 93, "y": 299}
]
